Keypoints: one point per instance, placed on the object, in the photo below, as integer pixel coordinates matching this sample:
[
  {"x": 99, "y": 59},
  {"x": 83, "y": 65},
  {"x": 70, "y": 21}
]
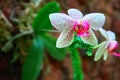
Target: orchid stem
[
  {"x": 76, "y": 64},
  {"x": 50, "y": 30}
]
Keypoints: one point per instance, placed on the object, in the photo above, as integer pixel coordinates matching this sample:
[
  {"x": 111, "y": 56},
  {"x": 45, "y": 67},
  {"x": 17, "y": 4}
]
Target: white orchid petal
[
  {"x": 96, "y": 20},
  {"x": 91, "y": 39},
  {"x": 104, "y": 33},
  {"x": 65, "y": 39},
  {"x": 111, "y": 35},
  {"x": 105, "y": 55},
  {"x": 61, "y": 21},
  {"x": 107, "y": 43},
  {"x": 75, "y": 14},
  {"x": 100, "y": 51}
]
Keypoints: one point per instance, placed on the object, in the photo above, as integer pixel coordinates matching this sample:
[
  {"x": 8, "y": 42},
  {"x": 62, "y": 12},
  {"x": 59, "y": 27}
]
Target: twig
[
  {"x": 8, "y": 45},
  {"x": 12, "y": 17},
  {"x": 5, "y": 19}
]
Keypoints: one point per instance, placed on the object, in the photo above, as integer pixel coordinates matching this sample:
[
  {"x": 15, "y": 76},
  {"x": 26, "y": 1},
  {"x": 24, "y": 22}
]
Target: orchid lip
[
  {"x": 116, "y": 54},
  {"x": 85, "y": 34},
  {"x": 112, "y": 45},
  {"x": 81, "y": 28}
]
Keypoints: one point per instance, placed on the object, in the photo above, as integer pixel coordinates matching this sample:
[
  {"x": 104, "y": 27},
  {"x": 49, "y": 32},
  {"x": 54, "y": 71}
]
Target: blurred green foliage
[
  {"x": 41, "y": 21},
  {"x": 33, "y": 63},
  {"x": 42, "y": 41},
  {"x": 56, "y": 53}
]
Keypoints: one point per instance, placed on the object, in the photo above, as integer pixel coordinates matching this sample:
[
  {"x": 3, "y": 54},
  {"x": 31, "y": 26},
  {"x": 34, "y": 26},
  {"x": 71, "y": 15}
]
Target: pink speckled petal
[
  {"x": 65, "y": 39},
  {"x": 91, "y": 39},
  {"x": 61, "y": 21},
  {"x": 96, "y": 20},
  {"x": 75, "y": 13}
]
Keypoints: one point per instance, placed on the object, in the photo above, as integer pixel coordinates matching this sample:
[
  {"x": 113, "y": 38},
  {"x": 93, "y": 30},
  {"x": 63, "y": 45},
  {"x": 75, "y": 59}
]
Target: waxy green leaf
[
  {"x": 33, "y": 63},
  {"x": 56, "y": 53}
]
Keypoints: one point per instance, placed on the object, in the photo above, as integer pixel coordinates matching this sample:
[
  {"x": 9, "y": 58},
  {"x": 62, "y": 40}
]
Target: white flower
[
  {"x": 107, "y": 46},
  {"x": 75, "y": 22}
]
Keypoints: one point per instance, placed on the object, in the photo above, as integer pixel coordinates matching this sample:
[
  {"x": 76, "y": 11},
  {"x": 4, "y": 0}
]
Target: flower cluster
[
  {"x": 75, "y": 24},
  {"x": 107, "y": 46}
]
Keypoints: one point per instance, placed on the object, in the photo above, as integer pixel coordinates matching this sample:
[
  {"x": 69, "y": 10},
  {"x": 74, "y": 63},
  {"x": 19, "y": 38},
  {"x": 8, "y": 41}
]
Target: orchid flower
[
  {"x": 107, "y": 46},
  {"x": 74, "y": 22}
]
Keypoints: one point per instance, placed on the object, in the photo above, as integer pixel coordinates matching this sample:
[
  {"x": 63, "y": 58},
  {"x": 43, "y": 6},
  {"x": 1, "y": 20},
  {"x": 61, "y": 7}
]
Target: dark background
[{"x": 101, "y": 70}]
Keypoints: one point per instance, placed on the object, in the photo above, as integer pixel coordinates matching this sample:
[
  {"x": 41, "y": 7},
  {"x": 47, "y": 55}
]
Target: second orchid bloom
[{"x": 107, "y": 46}]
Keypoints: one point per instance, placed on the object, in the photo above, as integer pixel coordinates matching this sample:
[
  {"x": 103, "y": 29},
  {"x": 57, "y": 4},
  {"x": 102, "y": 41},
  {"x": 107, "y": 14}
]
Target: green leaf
[
  {"x": 41, "y": 21},
  {"x": 32, "y": 66},
  {"x": 50, "y": 44}
]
